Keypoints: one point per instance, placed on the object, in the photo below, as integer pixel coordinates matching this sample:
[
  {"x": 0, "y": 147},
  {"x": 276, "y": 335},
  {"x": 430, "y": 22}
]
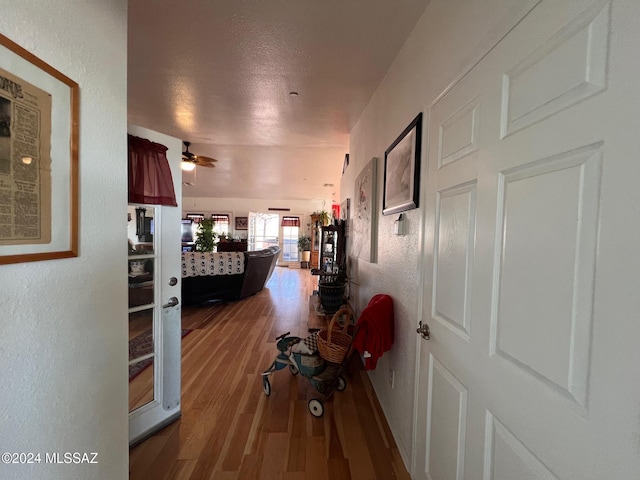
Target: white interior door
[
  {"x": 532, "y": 277},
  {"x": 154, "y": 306}
]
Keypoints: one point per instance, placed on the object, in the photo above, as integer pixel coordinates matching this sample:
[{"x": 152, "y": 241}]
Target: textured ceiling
[{"x": 218, "y": 73}]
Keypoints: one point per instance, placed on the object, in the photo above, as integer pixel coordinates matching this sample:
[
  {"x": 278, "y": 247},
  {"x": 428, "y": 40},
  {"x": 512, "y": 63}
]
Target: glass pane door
[
  {"x": 251, "y": 231},
  {"x": 290, "y": 253},
  {"x": 153, "y": 273},
  {"x": 267, "y": 226},
  {"x": 142, "y": 259}
]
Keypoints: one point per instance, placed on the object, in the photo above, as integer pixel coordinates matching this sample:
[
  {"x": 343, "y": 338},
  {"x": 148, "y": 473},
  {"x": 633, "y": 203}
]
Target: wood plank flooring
[{"x": 230, "y": 430}]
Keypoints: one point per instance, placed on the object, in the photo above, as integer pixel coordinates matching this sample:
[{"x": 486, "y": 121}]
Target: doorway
[
  {"x": 270, "y": 230},
  {"x": 289, "y": 232}
]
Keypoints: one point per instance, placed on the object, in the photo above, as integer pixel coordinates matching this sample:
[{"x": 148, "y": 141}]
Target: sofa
[{"x": 208, "y": 276}]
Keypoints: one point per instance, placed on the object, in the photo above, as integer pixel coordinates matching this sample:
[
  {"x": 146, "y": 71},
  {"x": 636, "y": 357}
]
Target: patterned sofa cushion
[{"x": 195, "y": 264}]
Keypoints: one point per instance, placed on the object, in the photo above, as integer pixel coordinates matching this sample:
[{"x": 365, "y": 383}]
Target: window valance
[
  {"x": 290, "y": 221},
  {"x": 150, "y": 180},
  {"x": 220, "y": 218}
]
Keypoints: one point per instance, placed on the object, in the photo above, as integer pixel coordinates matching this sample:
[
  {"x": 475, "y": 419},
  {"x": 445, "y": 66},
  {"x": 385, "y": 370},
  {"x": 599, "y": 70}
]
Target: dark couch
[{"x": 258, "y": 268}]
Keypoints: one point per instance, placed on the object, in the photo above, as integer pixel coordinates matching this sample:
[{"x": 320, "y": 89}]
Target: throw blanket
[
  {"x": 195, "y": 264},
  {"x": 375, "y": 330}
]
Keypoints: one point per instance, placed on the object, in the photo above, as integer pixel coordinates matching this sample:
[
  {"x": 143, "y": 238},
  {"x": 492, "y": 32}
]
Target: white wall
[
  {"x": 63, "y": 348},
  {"x": 447, "y": 39}
]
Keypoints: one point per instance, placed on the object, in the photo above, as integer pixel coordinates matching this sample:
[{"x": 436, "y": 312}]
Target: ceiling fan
[{"x": 190, "y": 161}]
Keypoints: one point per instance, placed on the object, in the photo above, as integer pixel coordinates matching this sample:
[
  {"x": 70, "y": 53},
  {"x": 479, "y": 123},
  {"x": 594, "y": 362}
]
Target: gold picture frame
[{"x": 39, "y": 112}]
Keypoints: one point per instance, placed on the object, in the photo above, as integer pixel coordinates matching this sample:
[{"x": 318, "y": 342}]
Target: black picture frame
[
  {"x": 402, "y": 170},
  {"x": 242, "y": 223},
  {"x": 345, "y": 164}
]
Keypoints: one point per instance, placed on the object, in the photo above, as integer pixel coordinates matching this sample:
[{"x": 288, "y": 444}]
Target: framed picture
[
  {"x": 38, "y": 158},
  {"x": 242, "y": 223},
  {"x": 345, "y": 164},
  {"x": 402, "y": 170},
  {"x": 364, "y": 219},
  {"x": 345, "y": 214}
]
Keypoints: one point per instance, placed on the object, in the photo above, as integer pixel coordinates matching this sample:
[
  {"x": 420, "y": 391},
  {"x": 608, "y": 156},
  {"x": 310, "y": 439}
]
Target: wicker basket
[{"x": 334, "y": 344}]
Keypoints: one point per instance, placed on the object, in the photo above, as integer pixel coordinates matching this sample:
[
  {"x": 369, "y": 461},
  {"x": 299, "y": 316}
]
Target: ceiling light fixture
[{"x": 187, "y": 166}]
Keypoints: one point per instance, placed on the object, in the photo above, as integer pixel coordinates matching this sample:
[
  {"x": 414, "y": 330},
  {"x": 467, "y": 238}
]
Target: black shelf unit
[{"x": 332, "y": 254}]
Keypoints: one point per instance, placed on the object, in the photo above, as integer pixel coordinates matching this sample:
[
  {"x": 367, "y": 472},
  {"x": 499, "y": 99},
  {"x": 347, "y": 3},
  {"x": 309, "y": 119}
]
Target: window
[{"x": 221, "y": 225}]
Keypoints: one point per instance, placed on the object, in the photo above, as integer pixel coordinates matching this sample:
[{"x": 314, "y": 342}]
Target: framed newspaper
[{"x": 38, "y": 158}]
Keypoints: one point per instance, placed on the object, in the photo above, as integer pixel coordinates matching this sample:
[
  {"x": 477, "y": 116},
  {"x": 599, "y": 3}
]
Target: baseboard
[{"x": 155, "y": 429}]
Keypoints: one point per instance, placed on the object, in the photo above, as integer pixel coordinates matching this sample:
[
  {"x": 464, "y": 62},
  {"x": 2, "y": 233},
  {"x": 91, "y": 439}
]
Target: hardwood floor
[{"x": 231, "y": 430}]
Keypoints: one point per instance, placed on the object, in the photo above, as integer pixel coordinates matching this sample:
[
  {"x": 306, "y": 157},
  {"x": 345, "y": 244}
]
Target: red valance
[
  {"x": 290, "y": 221},
  {"x": 220, "y": 218},
  {"x": 150, "y": 180}
]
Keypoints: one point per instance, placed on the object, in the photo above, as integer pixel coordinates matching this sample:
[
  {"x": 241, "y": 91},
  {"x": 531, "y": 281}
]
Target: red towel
[{"x": 375, "y": 329}]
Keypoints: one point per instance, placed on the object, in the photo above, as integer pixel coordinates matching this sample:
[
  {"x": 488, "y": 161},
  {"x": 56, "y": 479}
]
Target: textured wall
[
  {"x": 63, "y": 322},
  {"x": 447, "y": 39}
]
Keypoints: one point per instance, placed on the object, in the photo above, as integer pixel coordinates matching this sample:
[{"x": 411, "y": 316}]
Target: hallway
[{"x": 230, "y": 430}]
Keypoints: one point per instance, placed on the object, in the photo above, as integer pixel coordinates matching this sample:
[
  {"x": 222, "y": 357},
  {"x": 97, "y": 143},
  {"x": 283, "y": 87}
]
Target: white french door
[
  {"x": 531, "y": 277},
  {"x": 264, "y": 229},
  {"x": 289, "y": 234},
  {"x": 154, "y": 305},
  {"x": 289, "y": 254}
]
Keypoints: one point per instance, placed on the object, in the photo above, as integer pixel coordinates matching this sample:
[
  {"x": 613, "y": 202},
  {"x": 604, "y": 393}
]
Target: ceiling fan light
[{"x": 187, "y": 166}]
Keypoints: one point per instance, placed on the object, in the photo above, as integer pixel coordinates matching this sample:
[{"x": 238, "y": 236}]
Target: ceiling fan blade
[
  {"x": 202, "y": 158},
  {"x": 199, "y": 160}
]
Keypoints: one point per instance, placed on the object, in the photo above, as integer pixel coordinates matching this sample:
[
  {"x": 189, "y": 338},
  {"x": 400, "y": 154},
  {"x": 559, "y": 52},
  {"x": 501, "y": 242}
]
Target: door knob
[
  {"x": 173, "y": 301},
  {"x": 423, "y": 330}
]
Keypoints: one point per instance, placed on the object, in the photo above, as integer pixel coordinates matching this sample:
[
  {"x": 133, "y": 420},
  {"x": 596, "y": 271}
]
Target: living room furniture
[
  {"x": 315, "y": 240},
  {"x": 240, "y": 246},
  {"x": 332, "y": 248},
  {"x": 332, "y": 270},
  {"x": 140, "y": 289},
  {"x": 210, "y": 276}
]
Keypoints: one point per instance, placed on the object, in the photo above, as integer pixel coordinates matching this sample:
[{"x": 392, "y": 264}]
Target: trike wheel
[
  {"x": 294, "y": 370},
  {"x": 342, "y": 384},
  {"x": 316, "y": 407},
  {"x": 266, "y": 385}
]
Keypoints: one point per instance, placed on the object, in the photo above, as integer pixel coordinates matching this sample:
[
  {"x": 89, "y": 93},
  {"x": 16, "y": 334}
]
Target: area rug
[{"x": 143, "y": 345}]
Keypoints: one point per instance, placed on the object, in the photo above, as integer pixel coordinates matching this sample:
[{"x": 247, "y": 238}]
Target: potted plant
[
  {"x": 321, "y": 218},
  {"x": 304, "y": 245},
  {"x": 206, "y": 237}
]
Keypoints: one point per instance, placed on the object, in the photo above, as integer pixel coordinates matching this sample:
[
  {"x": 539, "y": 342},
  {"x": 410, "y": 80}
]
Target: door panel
[
  {"x": 506, "y": 458},
  {"x": 453, "y": 257},
  {"x": 446, "y": 420},
  {"x": 154, "y": 313},
  {"x": 549, "y": 339},
  {"x": 531, "y": 287}
]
